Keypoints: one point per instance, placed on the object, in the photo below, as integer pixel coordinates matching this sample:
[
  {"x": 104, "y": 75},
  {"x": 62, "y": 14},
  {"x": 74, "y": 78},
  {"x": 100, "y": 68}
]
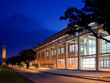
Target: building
[
  {"x": 82, "y": 51},
  {"x": 4, "y": 55}
]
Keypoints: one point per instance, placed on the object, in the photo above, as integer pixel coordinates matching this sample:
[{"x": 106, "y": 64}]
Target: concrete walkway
[
  {"x": 0, "y": 67},
  {"x": 38, "y": 77},
  {"x": 82, "y": 74}
]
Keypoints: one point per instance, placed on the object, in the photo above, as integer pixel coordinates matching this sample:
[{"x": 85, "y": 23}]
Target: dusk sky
[{"x": 25, "y": 23}]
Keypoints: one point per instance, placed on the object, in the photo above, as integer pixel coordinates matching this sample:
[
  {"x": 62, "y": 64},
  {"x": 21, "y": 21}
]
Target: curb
[
  {"x": 74, "y": 76},
  {"x": 86, "y": 70}
]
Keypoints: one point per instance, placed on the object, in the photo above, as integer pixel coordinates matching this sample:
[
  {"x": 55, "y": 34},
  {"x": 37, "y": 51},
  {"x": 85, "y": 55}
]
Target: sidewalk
[
  {"x": 79, "y": 74},
  {"x": 69, "y": 73}
]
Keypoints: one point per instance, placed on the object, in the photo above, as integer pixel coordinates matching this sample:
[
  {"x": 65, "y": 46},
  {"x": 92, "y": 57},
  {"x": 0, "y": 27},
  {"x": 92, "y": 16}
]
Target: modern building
[
  {"x": 4, "y": 55},
  {"x": 82, "y": 51}
]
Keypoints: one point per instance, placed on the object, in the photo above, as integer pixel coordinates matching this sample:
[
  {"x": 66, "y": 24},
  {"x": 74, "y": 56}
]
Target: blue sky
[{"x": 25, "y": 23}]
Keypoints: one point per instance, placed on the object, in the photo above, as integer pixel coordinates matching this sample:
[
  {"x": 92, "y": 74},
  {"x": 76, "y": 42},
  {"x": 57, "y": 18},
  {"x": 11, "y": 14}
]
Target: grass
[
  {"x": 105, "y": 78},
  {"x": 8, "y": 76}
]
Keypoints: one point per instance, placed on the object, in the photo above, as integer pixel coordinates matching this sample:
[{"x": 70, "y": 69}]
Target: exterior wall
[{"x": 66, "y": 57}]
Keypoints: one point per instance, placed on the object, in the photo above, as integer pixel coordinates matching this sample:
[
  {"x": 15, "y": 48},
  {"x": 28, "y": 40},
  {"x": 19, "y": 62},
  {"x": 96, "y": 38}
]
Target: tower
[{"x": 4, "y": 55}]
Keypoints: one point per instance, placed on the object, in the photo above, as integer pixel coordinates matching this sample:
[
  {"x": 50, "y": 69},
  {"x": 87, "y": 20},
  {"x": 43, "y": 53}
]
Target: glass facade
[
  {"x": 104, "y": 52},
  {"x": 88, "y": 52}
]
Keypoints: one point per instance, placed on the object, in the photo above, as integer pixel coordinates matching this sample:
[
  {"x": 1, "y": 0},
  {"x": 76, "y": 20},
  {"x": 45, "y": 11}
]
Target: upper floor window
[
  {"x": 72, "y": 48},
  {"x": 81, "y": 48},
  {"x": 47, "y": 53},
  {"x": 54, "y": 52},
  {"x": 76, "y": 47},
  {"x": 62, "y": 50},
  {"x": 58, "y": 51}
]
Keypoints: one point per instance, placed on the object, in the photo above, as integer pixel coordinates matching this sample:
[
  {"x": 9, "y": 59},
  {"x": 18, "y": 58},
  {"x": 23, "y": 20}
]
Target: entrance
[{"x": 104, "y": 62}]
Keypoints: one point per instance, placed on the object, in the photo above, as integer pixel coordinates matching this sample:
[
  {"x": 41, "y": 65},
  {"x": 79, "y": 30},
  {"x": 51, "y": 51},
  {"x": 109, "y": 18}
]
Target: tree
[
  {"x": 96, "y": 11},
  {"x": 18, "y": 60},
  {"x": 27, "y": 56},
  {"x": 11, "y": 60}
]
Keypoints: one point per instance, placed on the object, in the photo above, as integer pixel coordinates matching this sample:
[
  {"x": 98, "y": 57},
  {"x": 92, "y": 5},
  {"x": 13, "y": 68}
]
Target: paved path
[
  {"x": 39, "y": 77},
  {"x": 85, "y": 74},
  {"x": 0, "y": 67}
]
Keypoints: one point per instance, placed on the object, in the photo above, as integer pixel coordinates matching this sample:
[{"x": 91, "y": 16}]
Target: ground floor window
[
  {"x": 70, "y": 61},
  {"x": 105, "y": 62},
  {"x": 61, "y": 61},
  {"x": 89, "y": 63}
]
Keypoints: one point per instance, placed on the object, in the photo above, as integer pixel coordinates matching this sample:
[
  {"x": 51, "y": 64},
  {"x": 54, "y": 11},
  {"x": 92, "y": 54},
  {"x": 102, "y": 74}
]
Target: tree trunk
[
  {"x": 27, "y": 65},
  {"x": 20, "y": 65}
]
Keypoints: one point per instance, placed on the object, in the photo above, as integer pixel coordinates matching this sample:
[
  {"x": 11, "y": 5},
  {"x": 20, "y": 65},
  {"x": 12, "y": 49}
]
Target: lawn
[{"x": 8, "y": 76}]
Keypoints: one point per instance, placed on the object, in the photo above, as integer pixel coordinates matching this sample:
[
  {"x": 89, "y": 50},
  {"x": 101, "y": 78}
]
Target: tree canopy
[
  {"x": 94, "y": 11},
  {"x": 27, "y": 56}
]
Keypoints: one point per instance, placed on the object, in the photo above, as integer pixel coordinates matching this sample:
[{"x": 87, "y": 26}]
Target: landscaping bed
[{"x": 105, "y": 78}]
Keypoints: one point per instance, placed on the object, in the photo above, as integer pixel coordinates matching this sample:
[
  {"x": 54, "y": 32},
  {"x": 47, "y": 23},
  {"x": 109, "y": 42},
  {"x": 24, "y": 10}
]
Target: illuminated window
[
  {"x": 72, "y": 61},
  {"x": 76, "y": 47},
  {"x": 85, "y": 41},
  {"x": 81, "y": 48},
  {"x": 54, "y": 52},
  {"x": 85, "y": 47},
  {"x": 62, "y": 50},
  {"x": 47, "y": 53},
  {"x": 63, "y": 61},
  {"x": 68, "y": 61},
  {"x": 59, "y": 61},
  {"x": 71, "y": 48},
  {"x": 58, "y": 51}
]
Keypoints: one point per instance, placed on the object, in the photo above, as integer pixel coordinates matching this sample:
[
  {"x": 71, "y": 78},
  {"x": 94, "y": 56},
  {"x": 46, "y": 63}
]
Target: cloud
[
  {"x": 21, "y": 32},
  {"x": 21, "y": 21}
]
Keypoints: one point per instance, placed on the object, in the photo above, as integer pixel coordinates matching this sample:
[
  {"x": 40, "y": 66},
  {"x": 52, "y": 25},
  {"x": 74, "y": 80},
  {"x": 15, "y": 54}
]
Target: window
[
  {"x": 89, "y": 63},
  {"x": 72, "y": 61},
  {"x": 76, "y": 47},
  {"x": 59, "y": 61},
  {"x": 71, "y": 48},
  {"x": 62, "y": 50},
  {"x": 47, "y": 53},
  {"x": 85, "y": 41},
  {"x": 63, "y": 61},
  {"x": 68, "y": 61},
  {"x": 58, "y": 51},
  {"x": 54, "y": 52},
  {"x": 81, "y": 48},
  {"x": 92, "y": 47}
]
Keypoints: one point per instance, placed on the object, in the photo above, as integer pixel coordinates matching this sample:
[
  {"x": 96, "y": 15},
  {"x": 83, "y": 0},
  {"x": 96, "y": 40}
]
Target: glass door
[{"x": 104, "y": 63}]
